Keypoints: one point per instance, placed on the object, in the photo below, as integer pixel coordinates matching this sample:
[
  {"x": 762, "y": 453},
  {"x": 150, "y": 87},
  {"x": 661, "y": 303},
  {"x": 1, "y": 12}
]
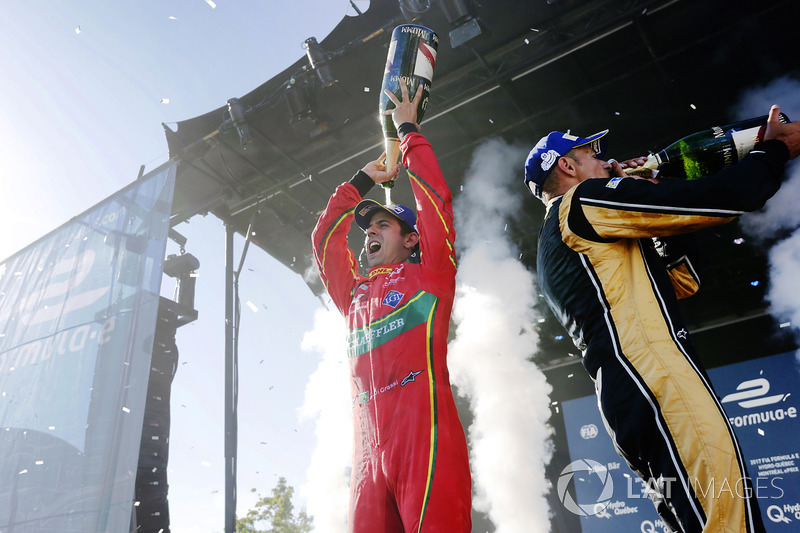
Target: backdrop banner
[
  {"x": 761, "y": 398},
  {"x": 77, "y": 318}
]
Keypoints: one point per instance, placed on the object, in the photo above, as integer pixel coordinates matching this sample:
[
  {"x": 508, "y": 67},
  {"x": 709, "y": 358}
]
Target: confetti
[{"x": 212, "y": 4}]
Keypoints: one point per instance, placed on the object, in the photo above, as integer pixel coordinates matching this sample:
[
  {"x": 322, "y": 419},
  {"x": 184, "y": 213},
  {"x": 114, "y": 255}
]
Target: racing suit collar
[
  {"x": 384, "y": 268},
  {"x": 549, "y": 204}
]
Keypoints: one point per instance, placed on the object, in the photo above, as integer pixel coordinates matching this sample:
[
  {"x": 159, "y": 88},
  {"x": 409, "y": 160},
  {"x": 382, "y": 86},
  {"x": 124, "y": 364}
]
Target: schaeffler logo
[{"x": 589, "y": 468}]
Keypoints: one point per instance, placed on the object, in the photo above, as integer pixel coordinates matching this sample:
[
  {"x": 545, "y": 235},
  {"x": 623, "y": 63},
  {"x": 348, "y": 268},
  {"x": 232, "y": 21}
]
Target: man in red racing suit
[{"x": 410, "y": 461}]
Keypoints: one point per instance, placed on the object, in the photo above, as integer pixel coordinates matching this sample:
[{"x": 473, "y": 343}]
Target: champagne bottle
[
  {"x": 703, "y": 153},
  {"x": 410, "y": 60}
]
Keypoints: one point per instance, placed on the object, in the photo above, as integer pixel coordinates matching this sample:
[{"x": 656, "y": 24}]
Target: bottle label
[
  {"x": 426, "y": 60},
  {"x": 390, "y": 56},
  {"x": 744, "y": 141}
]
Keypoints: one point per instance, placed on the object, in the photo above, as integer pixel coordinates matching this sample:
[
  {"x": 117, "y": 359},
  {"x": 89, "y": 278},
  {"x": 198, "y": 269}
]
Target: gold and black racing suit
[{"x": 618, "y": 299}]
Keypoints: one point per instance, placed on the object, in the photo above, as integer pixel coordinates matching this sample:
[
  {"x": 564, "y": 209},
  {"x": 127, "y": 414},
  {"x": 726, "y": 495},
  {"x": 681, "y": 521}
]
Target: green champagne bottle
[{"x": 703, "y": 153}]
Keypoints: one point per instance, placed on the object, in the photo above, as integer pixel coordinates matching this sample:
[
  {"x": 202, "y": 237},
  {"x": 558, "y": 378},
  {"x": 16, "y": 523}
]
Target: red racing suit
[{"x": 410, "y": 460}]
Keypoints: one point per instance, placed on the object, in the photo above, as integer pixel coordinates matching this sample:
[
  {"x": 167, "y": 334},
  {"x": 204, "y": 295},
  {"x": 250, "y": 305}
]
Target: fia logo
[
  {"x": 753, "y": 393},
  {"x": 393, "y": 298},
  {"x": 589, "y": 431}
]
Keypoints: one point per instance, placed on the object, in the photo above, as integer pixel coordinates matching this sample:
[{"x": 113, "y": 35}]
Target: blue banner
[
  {"x": 762, "y": 400},
  {"x": 77, "y": 318}
]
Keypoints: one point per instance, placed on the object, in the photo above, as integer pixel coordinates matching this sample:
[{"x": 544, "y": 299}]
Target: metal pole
[{"x": 231, "y": 420}]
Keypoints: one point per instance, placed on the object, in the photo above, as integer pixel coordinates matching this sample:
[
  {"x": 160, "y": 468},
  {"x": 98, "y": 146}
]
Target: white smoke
[
  {"x": 509, "y": 438},
  {"x": 784, "y": 293},
  {"x": 327, "y": 399},
  {"x": 781, "y": 212}
]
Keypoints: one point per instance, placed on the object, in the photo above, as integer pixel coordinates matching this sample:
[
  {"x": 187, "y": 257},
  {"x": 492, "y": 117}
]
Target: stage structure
[
  {"x": 650, "y": 70},
  {"x": 265, "y": 164},
  {"x": 80, "y": 313}
]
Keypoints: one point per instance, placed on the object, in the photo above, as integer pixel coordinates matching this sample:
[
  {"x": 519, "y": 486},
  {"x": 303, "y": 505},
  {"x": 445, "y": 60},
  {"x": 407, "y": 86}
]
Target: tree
[{"x": 275, "y": 512}]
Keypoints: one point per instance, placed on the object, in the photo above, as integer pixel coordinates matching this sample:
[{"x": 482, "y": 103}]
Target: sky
[
  {"x": 90, "y": 84},
  {"x": 86, "y": 85},
  {"x": 84, "y": 91}
]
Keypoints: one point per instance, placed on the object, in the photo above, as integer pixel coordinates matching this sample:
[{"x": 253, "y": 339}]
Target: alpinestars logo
[{"x": 410, "y": 377}]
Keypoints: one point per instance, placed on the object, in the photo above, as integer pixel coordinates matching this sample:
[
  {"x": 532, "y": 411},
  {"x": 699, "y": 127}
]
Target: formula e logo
[
  {"x": 393, "y": 298},
  {"x": 753, "y": 393},
  {"x": 591, "y": 467},
  {"x": 410, "y": 377},
  {"x": 589, "y": 431}
]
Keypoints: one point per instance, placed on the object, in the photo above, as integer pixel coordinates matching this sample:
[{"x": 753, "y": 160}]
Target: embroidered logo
[
  {"x": 393, "y": 298},
  {"x": 613, "y": 182},
  {"x": 548, "y": 158},
  {"x": 410, "y": 377}
]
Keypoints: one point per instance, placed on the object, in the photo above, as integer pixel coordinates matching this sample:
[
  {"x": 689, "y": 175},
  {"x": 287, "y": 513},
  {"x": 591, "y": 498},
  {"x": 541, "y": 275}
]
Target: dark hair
[{"x": 405, "y": 229}]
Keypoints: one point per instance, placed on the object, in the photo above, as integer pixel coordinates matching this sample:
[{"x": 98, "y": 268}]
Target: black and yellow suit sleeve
[{"x": 605, "y": 209}]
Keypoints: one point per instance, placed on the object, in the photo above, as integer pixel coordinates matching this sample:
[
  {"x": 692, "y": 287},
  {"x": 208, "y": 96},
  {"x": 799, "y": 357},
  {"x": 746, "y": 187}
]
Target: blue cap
[
  {"x": 547, "y": 151},
  {"x": 367, "y": 208}
]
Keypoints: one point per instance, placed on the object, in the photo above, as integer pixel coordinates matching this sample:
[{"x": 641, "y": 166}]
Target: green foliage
[{"x": 275, "y": 513}]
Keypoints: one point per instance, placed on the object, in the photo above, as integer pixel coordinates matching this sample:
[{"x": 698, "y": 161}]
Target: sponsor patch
[
  {"x": 410, "y": 377},
  {"x": 548, "y": 158},
  {"x": 366, "y": 209},
  {"x": 393, "y": 298},
  {"x": 613, "y": 182}
]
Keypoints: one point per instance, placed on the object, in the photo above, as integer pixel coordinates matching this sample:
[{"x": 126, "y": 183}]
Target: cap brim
[
  {"x": 600, "y": 138},
  {"x": 367, "y": 208}
]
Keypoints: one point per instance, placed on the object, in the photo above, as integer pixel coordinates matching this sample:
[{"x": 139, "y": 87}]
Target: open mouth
[{"x": 373, "y": 246}]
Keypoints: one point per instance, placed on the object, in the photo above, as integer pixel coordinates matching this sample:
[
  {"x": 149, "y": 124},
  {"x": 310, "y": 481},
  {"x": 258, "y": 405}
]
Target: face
[
  {"x": 588, "y": 165},
  {"x": 385, "y": 243}
]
